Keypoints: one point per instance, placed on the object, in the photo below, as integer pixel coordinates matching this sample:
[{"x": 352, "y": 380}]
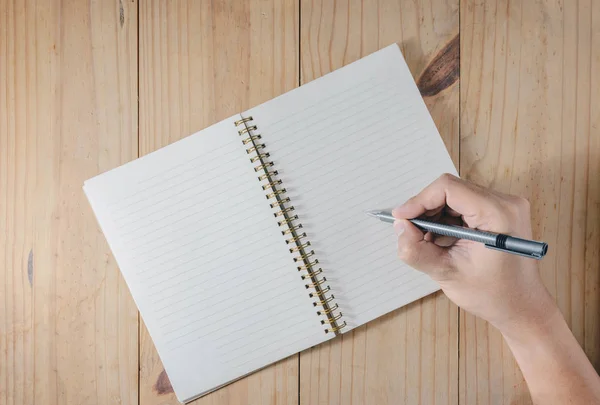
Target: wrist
[
  {"x": 552, "y": 362},
  {"x": 533, "y": 322}
]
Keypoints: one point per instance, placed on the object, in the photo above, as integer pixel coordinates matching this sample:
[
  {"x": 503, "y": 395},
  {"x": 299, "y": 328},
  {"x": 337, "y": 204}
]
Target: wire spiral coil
[{"x": 312, "y": 276}]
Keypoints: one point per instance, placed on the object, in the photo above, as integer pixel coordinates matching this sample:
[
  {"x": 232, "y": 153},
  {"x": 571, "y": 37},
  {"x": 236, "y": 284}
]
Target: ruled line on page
[
  {"x": 379, "y": 146},
  {"x": 324, "y": 101},
  {"x": 198, "y": 244},
  {"x": 166, "y": 173}
]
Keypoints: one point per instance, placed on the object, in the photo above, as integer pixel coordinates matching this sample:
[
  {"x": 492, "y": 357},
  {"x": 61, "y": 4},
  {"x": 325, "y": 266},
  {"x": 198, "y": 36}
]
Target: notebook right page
[{"x": 359, "y": 138}]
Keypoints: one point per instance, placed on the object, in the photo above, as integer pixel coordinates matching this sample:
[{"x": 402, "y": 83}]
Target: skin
[{"x": 506, "y": 290}]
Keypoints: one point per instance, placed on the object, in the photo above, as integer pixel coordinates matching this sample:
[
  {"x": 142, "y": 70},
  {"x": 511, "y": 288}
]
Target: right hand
[{"x": 504, "y": 289}]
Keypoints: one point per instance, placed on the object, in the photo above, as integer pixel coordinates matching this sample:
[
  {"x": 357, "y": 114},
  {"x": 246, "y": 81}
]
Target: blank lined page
[
  {"x": 205, "y": 261},
  {"x": 357, "y": 139}
]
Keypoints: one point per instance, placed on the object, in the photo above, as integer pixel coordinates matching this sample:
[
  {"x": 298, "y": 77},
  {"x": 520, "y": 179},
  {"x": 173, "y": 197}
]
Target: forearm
[
  {"x": 555, "y": 367},
  {"x": 506, "y": 290}
]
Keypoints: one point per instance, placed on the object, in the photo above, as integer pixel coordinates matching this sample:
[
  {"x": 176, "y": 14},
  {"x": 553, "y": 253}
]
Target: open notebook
[{"x": 247, "y": 242}]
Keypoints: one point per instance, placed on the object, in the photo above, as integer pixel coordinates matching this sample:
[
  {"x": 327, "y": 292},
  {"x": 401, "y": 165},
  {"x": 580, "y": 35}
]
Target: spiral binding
[{"x": 310, "y": 274}]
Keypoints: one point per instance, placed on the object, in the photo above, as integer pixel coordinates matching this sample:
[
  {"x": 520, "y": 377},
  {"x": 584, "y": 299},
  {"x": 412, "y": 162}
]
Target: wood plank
[
  {"x": 410, "y": 355},
  {"x": 67, "y": 112},
  {"x": 530, "y": 89},
  {"x": 201, "y": 62}
]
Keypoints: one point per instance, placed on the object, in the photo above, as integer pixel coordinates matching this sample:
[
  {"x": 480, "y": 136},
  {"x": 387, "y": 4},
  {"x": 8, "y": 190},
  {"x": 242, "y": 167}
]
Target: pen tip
[{"x": 372, "y": 213}]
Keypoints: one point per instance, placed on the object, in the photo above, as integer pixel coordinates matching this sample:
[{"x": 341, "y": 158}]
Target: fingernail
[{"x": 398, "y": 228}]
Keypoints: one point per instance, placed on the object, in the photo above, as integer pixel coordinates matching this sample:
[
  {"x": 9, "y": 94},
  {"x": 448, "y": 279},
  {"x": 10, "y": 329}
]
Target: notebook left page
[{"x": 197, "y": 244}]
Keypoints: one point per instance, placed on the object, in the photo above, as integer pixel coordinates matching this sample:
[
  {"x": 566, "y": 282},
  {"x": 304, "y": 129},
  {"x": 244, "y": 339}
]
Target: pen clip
[{"x": 531, "y": 256}]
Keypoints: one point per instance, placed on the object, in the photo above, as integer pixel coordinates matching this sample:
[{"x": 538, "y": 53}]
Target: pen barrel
[
  {"x": 456, "y": 232},
  {"x": 528, "y": 247}
]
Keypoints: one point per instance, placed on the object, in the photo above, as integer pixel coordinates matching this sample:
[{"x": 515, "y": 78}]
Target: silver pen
[{"x": 504, "y": 243}]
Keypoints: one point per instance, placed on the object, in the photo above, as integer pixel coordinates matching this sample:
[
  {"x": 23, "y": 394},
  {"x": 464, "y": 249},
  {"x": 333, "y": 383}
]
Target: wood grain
[
  {"x": 408, "y": 356},
  {"x": 68, "y": 328},
  {"x": 443, "y": 71},
  {"x": 529, "y": 125},
  {"x": 201, "y": 62},
  {"x": 530, "y": 87}
]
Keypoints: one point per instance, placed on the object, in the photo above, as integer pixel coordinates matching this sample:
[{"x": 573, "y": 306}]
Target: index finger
[{"x": 465, "y": 198}]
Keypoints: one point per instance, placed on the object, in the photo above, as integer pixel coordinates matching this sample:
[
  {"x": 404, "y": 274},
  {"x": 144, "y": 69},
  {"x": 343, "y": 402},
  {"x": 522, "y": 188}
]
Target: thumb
[{"x": 420, "y": 254}]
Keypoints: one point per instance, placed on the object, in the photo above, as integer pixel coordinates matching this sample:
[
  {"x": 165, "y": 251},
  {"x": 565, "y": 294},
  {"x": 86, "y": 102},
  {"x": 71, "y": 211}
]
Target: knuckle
[
  {"x": 524, "y": 204},
  {"x": 446, "y": 178},
  {"x": 520, "y": 206},
  {"x": 442, "y": 182},
  {"x": 513, "y": 214}
]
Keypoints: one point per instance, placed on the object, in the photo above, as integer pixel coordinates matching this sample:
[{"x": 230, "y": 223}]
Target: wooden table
[{"x": 88, "y": 85}]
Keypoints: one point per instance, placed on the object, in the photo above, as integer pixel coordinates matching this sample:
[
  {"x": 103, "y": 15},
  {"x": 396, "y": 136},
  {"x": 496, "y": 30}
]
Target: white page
[
  {"x": 356, "y": 139},
  {"x": 205, "y": 261}
]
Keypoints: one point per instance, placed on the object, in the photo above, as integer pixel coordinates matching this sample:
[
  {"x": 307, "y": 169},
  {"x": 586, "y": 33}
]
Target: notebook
[{"x": 247, "y": 242}]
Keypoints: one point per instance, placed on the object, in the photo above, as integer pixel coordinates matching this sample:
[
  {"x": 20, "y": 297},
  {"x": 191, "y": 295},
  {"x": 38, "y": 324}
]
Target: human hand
[{"x": 504, "y": 289}]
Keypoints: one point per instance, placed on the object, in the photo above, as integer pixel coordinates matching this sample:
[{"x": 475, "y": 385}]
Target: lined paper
[
  {"x": 202, "y": 253},
  {"x": 205, "y": 261},
  {"x": 357, "y": 139}
]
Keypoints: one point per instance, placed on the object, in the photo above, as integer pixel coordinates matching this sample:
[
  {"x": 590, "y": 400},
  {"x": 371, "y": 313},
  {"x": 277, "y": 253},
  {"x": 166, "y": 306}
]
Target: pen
[{"x": 504, "y": 243}]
